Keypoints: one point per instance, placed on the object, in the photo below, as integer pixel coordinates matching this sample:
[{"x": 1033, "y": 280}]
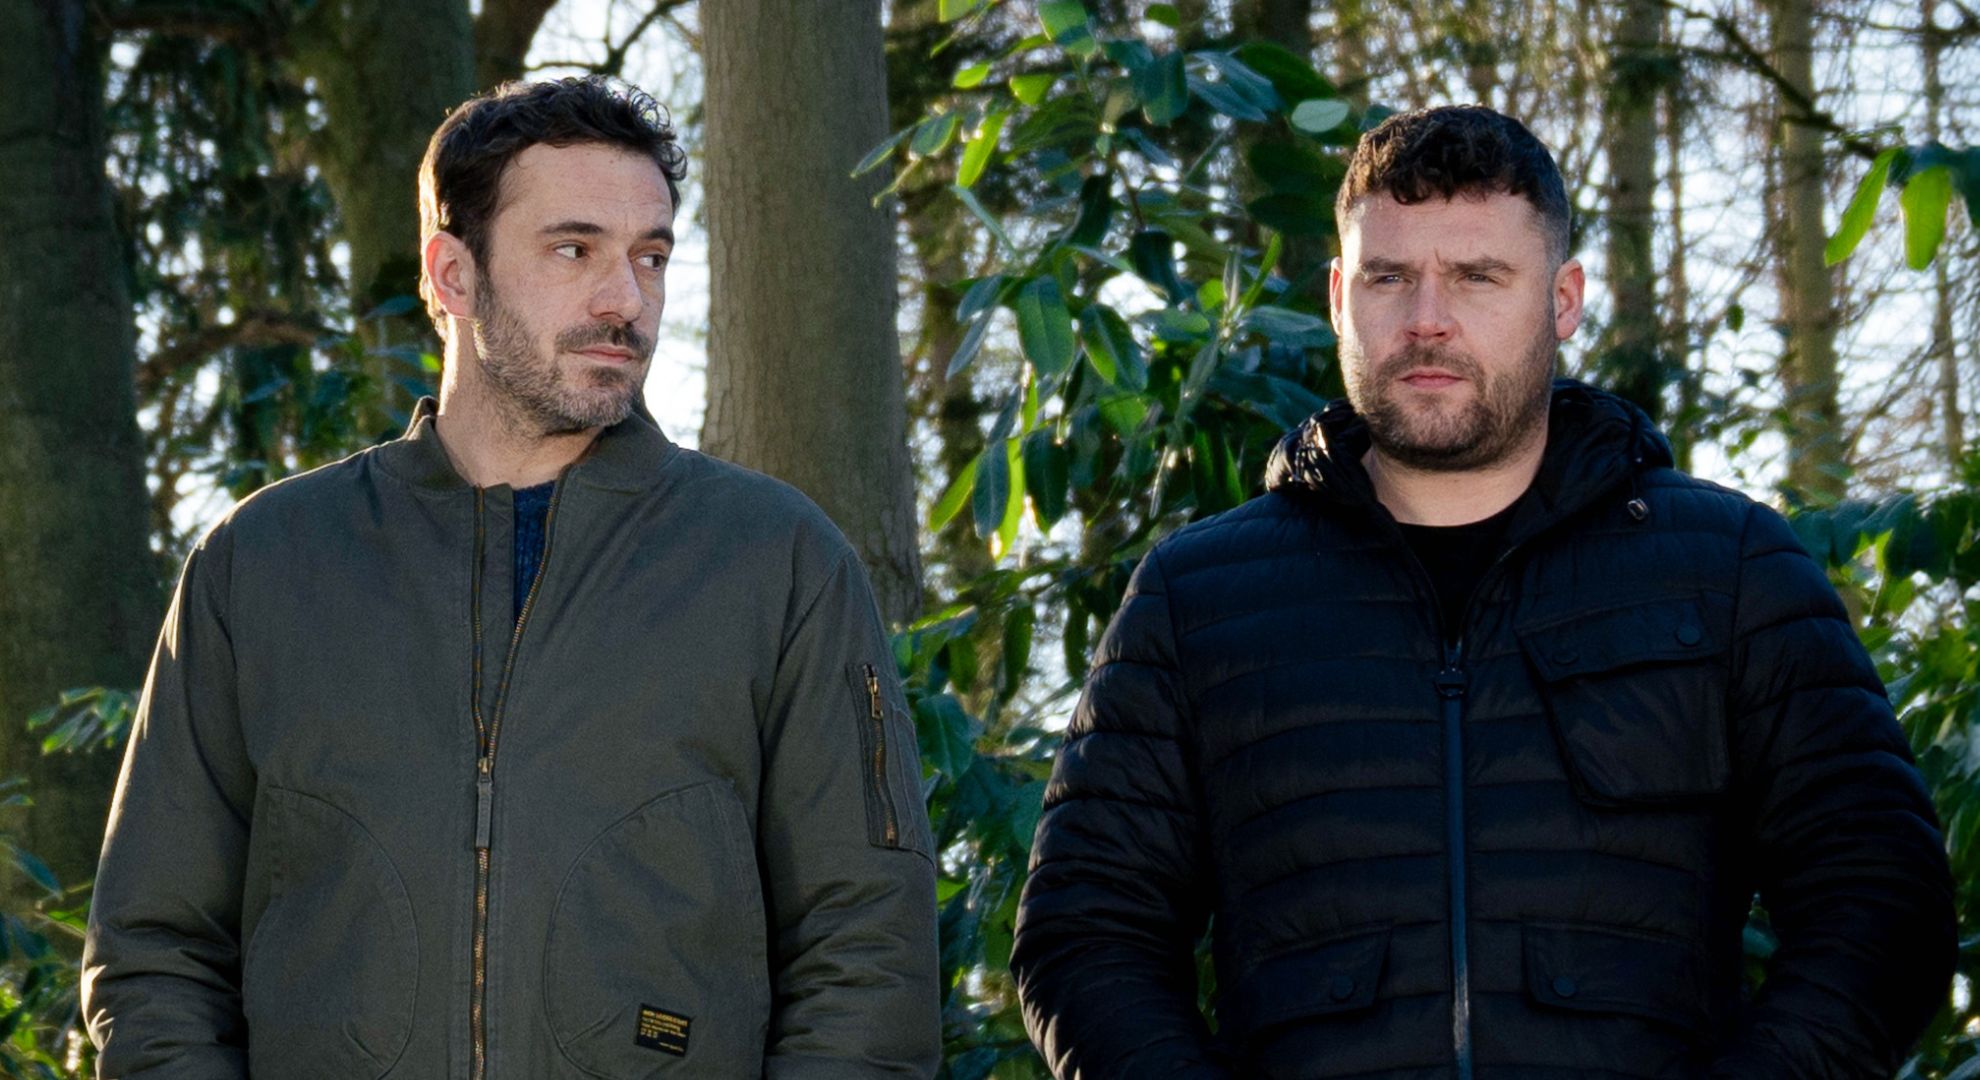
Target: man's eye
[
  {"x": 570, "y": 251},
  {"x": 654, "y": 260}
]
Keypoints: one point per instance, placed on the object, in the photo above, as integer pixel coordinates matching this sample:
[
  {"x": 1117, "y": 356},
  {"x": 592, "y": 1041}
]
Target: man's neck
[
  {"x": 489, "y": 445},
  {"x": 1420, "y": 497}
]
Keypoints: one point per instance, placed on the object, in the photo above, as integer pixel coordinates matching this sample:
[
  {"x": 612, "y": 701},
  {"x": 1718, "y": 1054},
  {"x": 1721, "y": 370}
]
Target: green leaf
[
  {"x": 392, "y": 308},
  {"x": 1044, "y": 325},
  {"x": 1736, "y": 318},
  {"x": 1031, "y": 89},
  {"x": 1925, "y": 199},
  {"x": 996, "y": 227},
  {"x": 1319, "y": 115},
  {"x": 1047, "y": 466},
  {"x": 1303, "y": 214},
  {"x": 968, "y": 347},
  {"x": 36, "y": 870},
  {"x": 951, "y": 501},
  {"x": 982, "y": 295},
  {"x": 1248, "y": 84},
  {"x": 1225, "y": 99},
  {"x": 1163, "y": 86},
  {"x": 1016, "y": 655},
  {"x": 1111, "y": 348},
  {"x": 1065, "y": 22},
  {"x": 1173, "y": 326},
  {"x": 1292, "y": 76},
  {"x": 934, "y": 134},
  {"x": 1153, "y": 254},
  {"x": 946, "y": 733},
  {"x": 971, "y": 76},
  {"x": 951, "y": 10},
  {"x": 1862, "y": 210},
  {"x": 1007, "y": 530},
  {"x": 1096, "y": 211},
  {"x": 1294, "y": 167},
  {"x": 981, "y": 147},
  {"x": 1165, "y": 14},
  {"x": 1288, "y": 327},
  {"x": 993, "y": 490}
]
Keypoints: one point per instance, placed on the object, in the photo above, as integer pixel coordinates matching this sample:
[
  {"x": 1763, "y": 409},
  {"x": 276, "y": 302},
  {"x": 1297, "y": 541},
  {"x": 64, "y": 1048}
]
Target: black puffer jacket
[{"x": 1528, "y": 857}]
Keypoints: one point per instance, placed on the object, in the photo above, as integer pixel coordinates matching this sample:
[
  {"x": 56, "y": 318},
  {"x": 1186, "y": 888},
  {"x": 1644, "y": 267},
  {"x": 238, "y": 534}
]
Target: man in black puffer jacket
[{"x": 1479, "y": 733}]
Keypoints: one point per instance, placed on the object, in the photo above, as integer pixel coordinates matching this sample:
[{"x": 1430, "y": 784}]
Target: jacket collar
[
  {"x": 628, "y": 456},
  {"x": 1595, "y": 442}
]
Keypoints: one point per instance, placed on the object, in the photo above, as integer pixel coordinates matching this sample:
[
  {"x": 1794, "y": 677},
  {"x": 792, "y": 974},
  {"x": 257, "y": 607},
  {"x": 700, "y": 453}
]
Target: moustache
[
  {"x": 620, "y": 335},
  {"x": 1414, "y": 357}
]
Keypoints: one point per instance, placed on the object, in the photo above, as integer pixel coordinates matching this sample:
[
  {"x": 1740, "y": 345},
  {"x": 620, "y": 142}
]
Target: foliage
[
  {"x": 1926, "y": 179},
  {"x": 1158, "y": 358}
]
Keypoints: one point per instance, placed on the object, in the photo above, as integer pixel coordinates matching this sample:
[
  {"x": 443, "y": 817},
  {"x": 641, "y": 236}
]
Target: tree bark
[
  {"x": 804, "y": 368},
  {"x": 502, "y": 33},
  {"x": 387, "y": 72},
  {"x": 1817, "y": 456},
  {"x": 1952, "y": 422},
  {"x": 1631, "y": 355},
  {"x": 79, "y": 586}
]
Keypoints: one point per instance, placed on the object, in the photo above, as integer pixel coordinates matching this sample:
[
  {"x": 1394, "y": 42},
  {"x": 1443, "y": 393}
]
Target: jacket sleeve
[
  {"x": 161, "y": 961},
  {"x": 1848, "y": 857},
  {"x": 847, "y": 861},
  {"x": 1115, "y": 904}
]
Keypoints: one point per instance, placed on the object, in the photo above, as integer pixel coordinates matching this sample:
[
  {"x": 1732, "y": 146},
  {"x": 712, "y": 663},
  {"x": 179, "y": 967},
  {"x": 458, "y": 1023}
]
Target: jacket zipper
[
  {"x": 486, "y": 734},
  {"x": 1451, "y": 684},
  {"x": 892, "y": 826}
]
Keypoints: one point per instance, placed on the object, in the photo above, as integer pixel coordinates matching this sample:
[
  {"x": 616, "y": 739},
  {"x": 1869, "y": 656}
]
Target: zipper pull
[
  {"x": 873, "y": 692},
  {"x": 484, "y": 807},
  {"x": 1451, "y": 681}
]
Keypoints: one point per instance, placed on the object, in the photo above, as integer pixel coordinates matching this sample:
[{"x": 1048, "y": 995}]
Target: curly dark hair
[
  {"x": 1457, "y": 150},
  {"x": 460, "y": 180}
]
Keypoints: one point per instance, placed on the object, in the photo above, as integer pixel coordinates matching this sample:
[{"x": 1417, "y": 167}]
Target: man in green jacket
[{"x": 528, "y": 745}]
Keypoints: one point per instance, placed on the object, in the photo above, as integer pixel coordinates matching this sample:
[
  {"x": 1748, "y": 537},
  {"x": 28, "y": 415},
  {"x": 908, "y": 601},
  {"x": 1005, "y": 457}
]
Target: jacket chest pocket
[{"x": 1635, "y": 695}]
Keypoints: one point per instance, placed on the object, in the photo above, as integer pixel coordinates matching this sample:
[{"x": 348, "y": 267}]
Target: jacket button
[
  {"x": 1565, "y": 986},
  {"x": 1690, "y": 634},
  {"x": 1340, "y": 988}
]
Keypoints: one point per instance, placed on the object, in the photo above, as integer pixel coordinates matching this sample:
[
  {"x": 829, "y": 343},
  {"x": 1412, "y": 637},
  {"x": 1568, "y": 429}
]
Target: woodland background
[{"x": 1010, "y": 288}]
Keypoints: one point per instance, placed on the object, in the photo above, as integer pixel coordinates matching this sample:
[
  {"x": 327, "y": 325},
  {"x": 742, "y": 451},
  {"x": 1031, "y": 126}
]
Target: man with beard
[
  {"x": 528, "y": 745},
  {"x": 1473, "y": 740}
]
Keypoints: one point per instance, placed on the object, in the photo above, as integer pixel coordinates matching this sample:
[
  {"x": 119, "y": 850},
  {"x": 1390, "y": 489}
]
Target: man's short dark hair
[
  {"x": 1454, "y": 150},
  {"x": 460, "y": 180}
]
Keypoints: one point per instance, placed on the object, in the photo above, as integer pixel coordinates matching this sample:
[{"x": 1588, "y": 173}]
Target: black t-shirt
[{"x": 1456, "y": 557}]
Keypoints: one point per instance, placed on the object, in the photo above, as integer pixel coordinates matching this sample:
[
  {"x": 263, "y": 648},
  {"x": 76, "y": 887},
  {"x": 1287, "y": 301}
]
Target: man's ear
[
  {"x": 1334, "y": 283},
  {"x": 450, "y": 273},
  {"x": 1569, "y": 284}
]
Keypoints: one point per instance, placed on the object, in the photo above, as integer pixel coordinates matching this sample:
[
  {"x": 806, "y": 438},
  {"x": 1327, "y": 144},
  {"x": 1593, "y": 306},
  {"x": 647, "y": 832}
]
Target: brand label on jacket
[{"x": 663, "y": 1031}]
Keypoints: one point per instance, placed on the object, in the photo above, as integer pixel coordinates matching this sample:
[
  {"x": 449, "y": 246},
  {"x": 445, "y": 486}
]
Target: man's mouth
[
  {"x": 1430, "y": 378},
  {"x": 609, "y": 354}
]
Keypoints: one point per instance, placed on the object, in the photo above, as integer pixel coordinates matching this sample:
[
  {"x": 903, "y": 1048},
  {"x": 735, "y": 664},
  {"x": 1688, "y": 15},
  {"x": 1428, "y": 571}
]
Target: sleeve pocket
[
  {"x": 889, "y": 761},
  {"x": 1635, "y": 695}
]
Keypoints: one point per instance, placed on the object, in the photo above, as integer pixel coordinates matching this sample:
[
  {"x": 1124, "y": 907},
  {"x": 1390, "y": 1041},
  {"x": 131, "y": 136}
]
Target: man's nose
[
  {"x": 1429, "y": 314},
  {"x": 618, "y": 297}
]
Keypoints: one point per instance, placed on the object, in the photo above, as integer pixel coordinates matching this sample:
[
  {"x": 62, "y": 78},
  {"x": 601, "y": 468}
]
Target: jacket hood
[{"x": 1595, "y": 440}]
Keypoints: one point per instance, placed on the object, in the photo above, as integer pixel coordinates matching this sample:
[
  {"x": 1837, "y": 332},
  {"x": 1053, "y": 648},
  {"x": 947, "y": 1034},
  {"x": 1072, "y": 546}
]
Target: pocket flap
[
  {"x": 1600, "y": 969},
  {"x": 1669, "y": 629},
  {"x": 1339, "y": 976}
]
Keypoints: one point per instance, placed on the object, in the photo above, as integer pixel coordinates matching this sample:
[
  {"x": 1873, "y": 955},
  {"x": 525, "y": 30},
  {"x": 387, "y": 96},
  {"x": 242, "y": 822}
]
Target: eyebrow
[
  {"x": 587, "y": 228},
  {"x": 1467, "y": 266}
]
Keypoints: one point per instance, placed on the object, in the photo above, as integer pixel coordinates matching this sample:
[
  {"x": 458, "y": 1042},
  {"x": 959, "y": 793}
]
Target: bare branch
[
  {"x": 253, "y": 328},
  {"x": 502, "y": 34}
]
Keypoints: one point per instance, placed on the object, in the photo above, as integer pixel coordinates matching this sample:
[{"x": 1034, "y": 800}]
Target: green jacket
[{"x": 668, "y": 823}]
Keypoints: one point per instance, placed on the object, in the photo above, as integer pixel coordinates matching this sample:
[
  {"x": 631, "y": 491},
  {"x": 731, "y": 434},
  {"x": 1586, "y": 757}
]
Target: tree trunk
[
  {"x": 804, "y": 369},
  {"x": 1816, "y": 455},
  {"x": 502, "y": 33},
  {"x": 1631, "y": 354},
  {"x": 79, "y": 593},
  {"x": 1952, "y": 422},
  {"x": 387, "y": 71}
]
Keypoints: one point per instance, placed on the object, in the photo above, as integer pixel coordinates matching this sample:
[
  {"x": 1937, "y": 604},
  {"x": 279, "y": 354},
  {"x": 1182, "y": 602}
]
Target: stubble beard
[
  {"x": 1501, "y": 417},
  {"x": 538, "y": 396}
]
